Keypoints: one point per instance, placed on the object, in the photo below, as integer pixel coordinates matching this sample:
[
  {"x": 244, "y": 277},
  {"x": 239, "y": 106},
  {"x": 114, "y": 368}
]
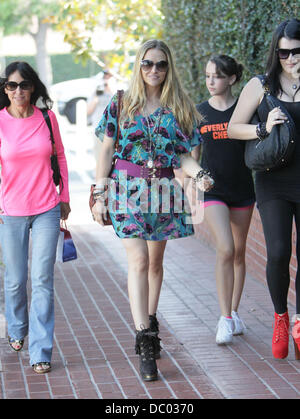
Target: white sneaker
[
  {"x": 225, "y": 330},
  {"x": 239, "y": 325}
]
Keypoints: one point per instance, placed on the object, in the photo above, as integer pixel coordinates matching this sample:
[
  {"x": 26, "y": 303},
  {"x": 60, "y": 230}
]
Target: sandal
[
  {"x": 39, "y": 367},
  {"x": 13, "y": 341}
]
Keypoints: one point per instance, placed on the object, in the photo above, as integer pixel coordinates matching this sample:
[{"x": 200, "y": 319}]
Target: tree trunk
[{"x": 42, "y": 58}]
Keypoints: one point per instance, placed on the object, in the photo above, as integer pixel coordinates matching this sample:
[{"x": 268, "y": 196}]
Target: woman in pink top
[{"x": 29, "y": 202}]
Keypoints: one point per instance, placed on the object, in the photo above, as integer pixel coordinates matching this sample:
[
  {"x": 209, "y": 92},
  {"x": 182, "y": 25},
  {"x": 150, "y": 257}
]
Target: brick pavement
[{"x": 94, "y": 336}]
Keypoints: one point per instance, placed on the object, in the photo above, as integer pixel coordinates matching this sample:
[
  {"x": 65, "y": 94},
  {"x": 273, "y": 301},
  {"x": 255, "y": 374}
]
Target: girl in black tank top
[
  {"x": 228, "y": 206},
  {"x": 278, "y": 192}
]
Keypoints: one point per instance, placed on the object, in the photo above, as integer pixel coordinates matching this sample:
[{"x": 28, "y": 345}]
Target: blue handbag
[{"x": 66, "y": 249}]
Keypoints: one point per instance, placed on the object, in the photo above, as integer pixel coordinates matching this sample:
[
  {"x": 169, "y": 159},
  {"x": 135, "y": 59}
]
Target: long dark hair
[
  {"x": 289, "y": 29},
  {"x": 228, "y": 66},
  {"x": 28, "y": 73}
]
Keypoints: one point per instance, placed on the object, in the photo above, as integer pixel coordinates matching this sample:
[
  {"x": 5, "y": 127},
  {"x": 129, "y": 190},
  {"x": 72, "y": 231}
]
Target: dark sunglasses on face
[
  {"x": 283, "y": 53},
  {"x": 12, "y": 85},
  {"x": 161, "y": 66}
]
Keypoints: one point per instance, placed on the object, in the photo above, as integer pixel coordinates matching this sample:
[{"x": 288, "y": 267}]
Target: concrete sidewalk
[{"x": 94, "y": 336}]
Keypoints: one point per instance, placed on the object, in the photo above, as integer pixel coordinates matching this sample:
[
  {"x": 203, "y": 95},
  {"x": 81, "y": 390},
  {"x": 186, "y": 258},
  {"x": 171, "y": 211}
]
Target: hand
[
  {"x": 1, "y": 212},
  {"x": 99, "y": 211},
  {"x": 64, "y": 210},
  {"x": 275, "y": 117},
  {"x": 206, "y": 183}
]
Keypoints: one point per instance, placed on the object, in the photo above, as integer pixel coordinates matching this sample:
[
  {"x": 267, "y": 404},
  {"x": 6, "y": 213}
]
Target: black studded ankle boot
[
  {"x": 154, "y": 327},
  {"x": 144, "y": 347}
]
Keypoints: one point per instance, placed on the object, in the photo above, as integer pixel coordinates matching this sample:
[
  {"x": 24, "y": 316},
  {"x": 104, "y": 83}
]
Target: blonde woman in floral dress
[{"x": 158, "y": 129}]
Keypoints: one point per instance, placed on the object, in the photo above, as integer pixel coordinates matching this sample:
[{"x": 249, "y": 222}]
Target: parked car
[{"x": 68, "y": 93}]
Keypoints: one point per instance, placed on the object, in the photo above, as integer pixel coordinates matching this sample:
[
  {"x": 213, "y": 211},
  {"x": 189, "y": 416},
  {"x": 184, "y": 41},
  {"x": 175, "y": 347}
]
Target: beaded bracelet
[{"x": 261, "y": 131}]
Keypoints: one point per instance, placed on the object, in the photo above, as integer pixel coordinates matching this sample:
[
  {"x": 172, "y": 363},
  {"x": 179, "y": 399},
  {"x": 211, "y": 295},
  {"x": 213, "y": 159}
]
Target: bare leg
[
  {"x": 138, "y": 289},
  {"x": 218, "y": 219},
  {"x": 240, "y": 222},
  {"x": 155, "y": 276}
]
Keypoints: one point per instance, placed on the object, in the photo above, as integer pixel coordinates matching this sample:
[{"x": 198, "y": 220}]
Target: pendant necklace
[
  {"x": 295, "y": 87},
  {"x": 150, "y": 162}
]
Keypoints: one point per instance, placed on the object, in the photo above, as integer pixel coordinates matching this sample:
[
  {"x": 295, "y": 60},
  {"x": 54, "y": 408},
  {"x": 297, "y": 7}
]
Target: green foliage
[
  {"x": 76, "y": 20},
  {"x": 133, "y": 21},
  {"x": 196, "y": 29},
  {"x": 17, "y": 16}
]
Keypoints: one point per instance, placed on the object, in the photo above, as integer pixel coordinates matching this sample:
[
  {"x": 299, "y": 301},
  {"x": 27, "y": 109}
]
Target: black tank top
[
  {"x": 283, "y": 183},
  {"x": 224, "y": 157}
]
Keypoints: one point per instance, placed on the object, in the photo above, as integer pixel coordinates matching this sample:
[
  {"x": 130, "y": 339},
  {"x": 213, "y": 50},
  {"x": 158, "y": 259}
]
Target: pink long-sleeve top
[{"x": 27, "y": 186}]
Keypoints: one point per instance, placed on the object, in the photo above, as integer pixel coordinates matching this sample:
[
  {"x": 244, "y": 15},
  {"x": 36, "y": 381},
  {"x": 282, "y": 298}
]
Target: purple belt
[{"x": 141, "y": 171}]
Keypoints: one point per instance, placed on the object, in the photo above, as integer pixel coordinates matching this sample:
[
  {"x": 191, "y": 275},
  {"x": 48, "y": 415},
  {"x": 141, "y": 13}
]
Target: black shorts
[{"x": 235, "y": 205}]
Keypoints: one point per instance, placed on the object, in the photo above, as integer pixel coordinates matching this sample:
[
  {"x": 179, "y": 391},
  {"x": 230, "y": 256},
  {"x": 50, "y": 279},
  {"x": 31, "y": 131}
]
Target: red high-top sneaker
[
  {"x": 296, "y": 337},
  {"x": 280, "y": 341}
]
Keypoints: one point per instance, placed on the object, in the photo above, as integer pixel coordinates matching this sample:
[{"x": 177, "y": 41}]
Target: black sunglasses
[
  {"x": 12, "y": 85},
  {"x": 283, "y": 53},
  {"x": 161, "y": 66}
]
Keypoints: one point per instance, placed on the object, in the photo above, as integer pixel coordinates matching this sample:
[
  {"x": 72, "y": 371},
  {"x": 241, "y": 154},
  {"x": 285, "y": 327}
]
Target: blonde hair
[{"x": 172, "y": 96}]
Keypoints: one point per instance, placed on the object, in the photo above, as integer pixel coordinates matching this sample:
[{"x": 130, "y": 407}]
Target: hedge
[{"x": 196, "y": 29}]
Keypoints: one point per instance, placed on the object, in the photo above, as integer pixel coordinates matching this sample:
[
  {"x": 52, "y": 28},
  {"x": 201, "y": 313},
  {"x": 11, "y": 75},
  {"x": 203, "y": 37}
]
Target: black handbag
[
  {"x": 275, "y": 151},
  {"x": 57, "y": 179}
]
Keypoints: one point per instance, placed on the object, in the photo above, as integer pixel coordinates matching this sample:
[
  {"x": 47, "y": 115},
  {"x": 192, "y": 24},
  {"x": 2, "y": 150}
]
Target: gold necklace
[{"x": 150, "y": 162}]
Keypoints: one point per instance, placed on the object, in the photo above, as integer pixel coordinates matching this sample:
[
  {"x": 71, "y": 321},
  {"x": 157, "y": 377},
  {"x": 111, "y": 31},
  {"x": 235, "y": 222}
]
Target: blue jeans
[{"x": 14, "y": 236}]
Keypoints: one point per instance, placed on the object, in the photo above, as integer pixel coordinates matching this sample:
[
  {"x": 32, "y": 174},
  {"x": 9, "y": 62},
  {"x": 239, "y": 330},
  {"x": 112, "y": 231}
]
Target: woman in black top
[
  {"x": 229, "y": 205},
  {"x": 278, "y": 192}
]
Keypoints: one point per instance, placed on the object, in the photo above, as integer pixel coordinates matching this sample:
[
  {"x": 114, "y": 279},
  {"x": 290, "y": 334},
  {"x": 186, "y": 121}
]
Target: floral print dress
[{"x": 150, "y": 209}]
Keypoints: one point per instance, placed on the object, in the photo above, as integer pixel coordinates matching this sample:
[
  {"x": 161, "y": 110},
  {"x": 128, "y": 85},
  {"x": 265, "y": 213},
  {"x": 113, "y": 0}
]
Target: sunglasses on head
[
  {"x": 283, "y": 53},
  {"x": 12, "y": 85},
  {"x": 161, "y": 66}
]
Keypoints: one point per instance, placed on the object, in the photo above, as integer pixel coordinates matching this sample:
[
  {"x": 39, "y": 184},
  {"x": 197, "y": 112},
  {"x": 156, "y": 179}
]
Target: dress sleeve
[
  {"x": 108, "y": 123},
  {"x": 196, "y": 137},
  {"x": 184, "y": 143}
]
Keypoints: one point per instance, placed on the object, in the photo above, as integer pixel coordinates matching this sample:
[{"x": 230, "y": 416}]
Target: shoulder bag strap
[
  {"x": 48, "y": 122},
  {"x": 274, "y": 102},
  {"x": 262, "y": 79}
]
